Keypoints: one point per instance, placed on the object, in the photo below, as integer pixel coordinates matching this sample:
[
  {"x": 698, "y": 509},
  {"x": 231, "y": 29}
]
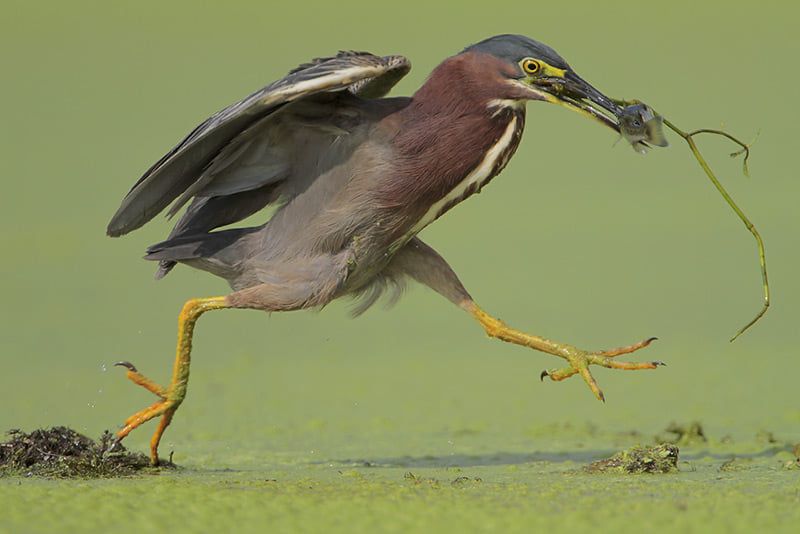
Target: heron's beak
[{"x": 569, "y": 90}]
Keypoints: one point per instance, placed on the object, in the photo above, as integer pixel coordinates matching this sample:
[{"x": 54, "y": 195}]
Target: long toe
[
  {"x": 580, "y": 361},
  {"x": 139, "y": 379},
  {"x": 626, "y": 349},
  {"x": 142, "y": 416}
]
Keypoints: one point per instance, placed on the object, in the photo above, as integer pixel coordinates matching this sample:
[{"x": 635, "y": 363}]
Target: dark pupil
[
  {"x": 636, "y": 123},
  {"x": 532, "y": 66}
]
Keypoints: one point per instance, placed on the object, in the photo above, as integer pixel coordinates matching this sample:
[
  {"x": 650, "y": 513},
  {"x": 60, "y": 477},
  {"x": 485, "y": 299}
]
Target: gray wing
[{"x": 203, "y": 164}]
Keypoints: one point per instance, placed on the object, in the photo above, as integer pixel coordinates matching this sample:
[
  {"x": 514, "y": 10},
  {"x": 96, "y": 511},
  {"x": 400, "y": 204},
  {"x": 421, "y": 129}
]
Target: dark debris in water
[
  {"x": 736, "y": 464},
  {"x": 659, "y": 459},
  {"x": 677, "y": 434},
  {"x": 462, "y": 482},
  {"x": 458, "y": 482},
  {"x": 417, "y": 480},
  {"x": 794, "y": 464},
  {"x": 61, "y": 452},
  {"x": 765, "y": 436}
]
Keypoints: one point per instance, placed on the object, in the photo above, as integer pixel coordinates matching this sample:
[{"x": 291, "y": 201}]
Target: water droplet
[{"x": 103, "y": 368}]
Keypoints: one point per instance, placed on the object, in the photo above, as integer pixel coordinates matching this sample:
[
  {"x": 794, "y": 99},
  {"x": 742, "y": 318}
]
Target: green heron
[{"x": 356, "y": 177}]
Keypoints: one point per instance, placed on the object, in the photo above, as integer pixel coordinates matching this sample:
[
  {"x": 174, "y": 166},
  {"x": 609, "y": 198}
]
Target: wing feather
[{"x": 182, "y": 171}]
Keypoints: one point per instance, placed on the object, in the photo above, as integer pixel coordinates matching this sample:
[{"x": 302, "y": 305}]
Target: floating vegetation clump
[
  {"x": 678, "y": 434},
  {"x": 659, "y": 459},
  {"x": 61, "y": 452}
]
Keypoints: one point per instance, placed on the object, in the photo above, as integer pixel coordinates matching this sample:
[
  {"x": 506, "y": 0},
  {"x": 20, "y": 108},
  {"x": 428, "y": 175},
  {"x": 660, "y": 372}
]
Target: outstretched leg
[
  {"x": 312, "y": 283},
  {"x": 172, "y": 396},
  {"x": 423, "y": 264}
]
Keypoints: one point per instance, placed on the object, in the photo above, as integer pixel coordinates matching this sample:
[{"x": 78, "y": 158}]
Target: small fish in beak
[{"x": 642, "y": 127}]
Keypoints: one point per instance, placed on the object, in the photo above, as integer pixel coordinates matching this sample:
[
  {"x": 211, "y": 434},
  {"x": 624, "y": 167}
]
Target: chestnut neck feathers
[
  {"x": 458, "y": 131},
  {"x": 463, "y": 85},
  {"x": 449, "y": 126}
]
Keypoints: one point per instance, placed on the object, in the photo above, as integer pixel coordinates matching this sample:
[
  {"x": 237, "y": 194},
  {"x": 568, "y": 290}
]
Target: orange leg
[
  {"x": 579, "y": 360},
  {"x": 173, "y": 395}
]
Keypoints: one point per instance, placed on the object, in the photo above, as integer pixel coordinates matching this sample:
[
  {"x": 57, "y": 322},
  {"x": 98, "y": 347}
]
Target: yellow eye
[{"x": 531, "y": 66}]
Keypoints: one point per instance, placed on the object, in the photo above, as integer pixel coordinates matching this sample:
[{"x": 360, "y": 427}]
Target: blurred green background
[{"x": 578, "y": 240}]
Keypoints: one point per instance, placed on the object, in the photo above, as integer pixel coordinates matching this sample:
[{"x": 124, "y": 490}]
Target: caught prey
[{"x": 642, "y": 127}]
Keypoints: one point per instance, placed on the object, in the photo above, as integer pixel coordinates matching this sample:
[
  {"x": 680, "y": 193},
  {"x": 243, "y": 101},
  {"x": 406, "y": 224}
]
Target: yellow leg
[
  {"x": 173, "y": 395},
  {"x": 579, "y": 360}
]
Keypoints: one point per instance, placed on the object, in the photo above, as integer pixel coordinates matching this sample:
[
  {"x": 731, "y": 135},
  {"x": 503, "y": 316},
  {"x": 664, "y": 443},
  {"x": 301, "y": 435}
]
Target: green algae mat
[{"x": 411, "y": 419}]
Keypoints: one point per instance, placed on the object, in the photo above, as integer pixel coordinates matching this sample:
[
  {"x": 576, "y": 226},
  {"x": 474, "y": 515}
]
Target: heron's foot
[
  {"x": 580, "y": 360},
  {"x": 171, "y": 398}
]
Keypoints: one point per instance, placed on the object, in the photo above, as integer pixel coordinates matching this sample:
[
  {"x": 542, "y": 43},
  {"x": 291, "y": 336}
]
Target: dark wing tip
[
  {"x": 126, "y": 220},
  {"x": 116, "y": 228}
]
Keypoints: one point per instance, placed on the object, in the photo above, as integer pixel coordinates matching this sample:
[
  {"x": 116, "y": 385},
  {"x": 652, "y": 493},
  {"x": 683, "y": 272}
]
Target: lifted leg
[
  {"x": 172, "y": 395},
  {"x": 424, "y": 265},
  {"x": 579, "y": 360}
]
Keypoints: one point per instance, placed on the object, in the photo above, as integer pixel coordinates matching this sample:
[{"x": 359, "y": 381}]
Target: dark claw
[
  {"x": 602, "y": 396},
  {"x": 657, "y": 362},
  {"x": 651, "y": 339},
  {"x": 127, "y": 365},
  {"x": 544, "y": 374}
]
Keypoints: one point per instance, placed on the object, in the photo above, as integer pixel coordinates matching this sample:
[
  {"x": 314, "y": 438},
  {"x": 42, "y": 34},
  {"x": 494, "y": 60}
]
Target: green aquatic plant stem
[{"x": 688, "y": 137}]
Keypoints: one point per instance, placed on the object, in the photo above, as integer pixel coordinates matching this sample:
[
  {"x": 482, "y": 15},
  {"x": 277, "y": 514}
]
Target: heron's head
[{"x": 530, "y": 70}]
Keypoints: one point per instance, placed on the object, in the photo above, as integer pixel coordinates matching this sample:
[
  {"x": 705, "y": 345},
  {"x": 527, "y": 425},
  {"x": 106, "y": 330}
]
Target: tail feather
[
  {"x": 164, "y": 267},
  {"x": 214, "y": 245}
]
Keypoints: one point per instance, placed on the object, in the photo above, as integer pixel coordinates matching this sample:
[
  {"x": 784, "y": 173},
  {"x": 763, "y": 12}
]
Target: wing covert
[{"x": 361, "y": 73}]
